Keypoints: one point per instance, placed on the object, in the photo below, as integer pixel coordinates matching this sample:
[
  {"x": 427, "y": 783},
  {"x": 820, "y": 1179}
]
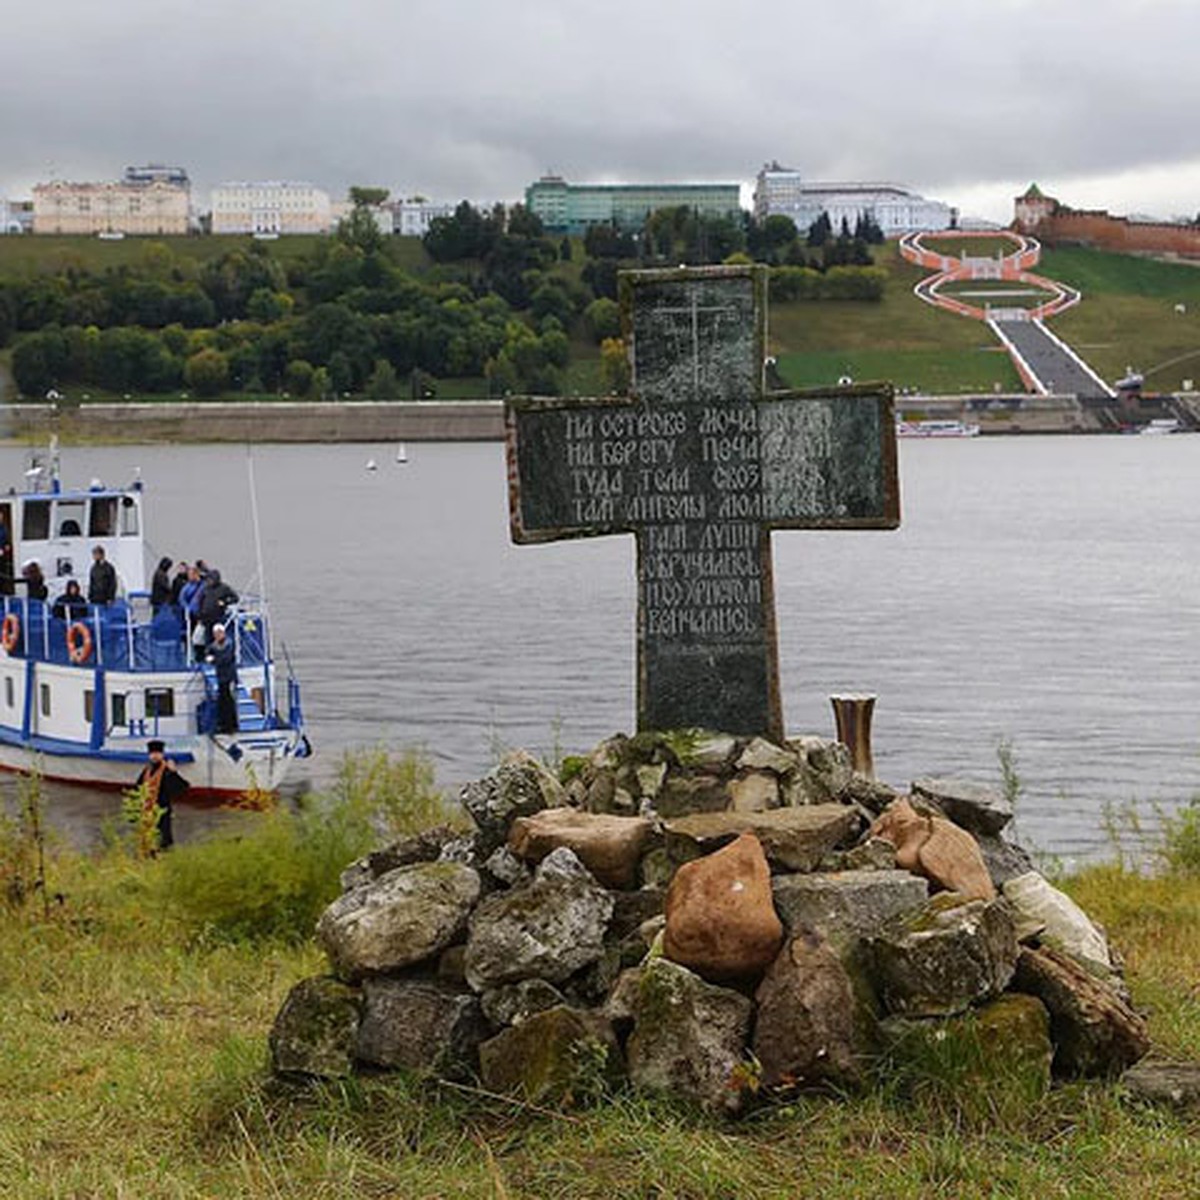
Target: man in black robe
[{"x": 163, "y": 786}]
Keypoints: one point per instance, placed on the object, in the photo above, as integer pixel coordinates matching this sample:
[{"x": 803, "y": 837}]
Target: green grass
[
  {"x": 973, "y": 247},
  {"x": 132, "y": 1064},
  {"x": 926, "y": 370},
  {"x": 1127, "y": 317}
]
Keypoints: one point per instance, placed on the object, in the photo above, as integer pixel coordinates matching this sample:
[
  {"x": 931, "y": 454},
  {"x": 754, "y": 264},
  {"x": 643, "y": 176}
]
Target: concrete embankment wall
[{"x": 349, "y": 421}]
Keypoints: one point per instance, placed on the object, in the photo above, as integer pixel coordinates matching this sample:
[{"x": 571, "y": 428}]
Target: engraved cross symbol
[{"x": 700, "y": 464}]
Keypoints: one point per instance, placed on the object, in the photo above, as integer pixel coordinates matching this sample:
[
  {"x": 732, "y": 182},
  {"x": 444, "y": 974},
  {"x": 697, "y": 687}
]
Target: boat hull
[{"x": 219, "y": 769}]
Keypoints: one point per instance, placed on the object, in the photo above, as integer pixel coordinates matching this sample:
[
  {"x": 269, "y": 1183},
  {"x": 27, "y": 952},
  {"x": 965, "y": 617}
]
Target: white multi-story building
[
  {"x": 780, "y": 191},
  {"x": 270, "y": 208},
  {"x": 414, "y": 216},
  {"x": 156, "y": 207}
]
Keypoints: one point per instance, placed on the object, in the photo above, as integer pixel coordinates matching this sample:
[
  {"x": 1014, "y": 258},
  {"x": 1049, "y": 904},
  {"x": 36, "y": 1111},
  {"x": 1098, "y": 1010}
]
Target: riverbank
[
  {"x": 133, "y": 1050},
  {"x": 251, "y": 421}
]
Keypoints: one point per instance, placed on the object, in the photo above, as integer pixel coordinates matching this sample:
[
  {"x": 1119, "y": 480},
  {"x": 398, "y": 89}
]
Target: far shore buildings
[
  {"x": 154, "y": 199},
  {"x": 270, "y": 208},
  {"x": 414, "y": 215},
  {"x": 781, "y": 191},
  {"x": 574, "y": 207}
]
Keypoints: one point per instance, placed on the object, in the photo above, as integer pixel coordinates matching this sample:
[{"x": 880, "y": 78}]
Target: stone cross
[{"x": 700, "y": 464}]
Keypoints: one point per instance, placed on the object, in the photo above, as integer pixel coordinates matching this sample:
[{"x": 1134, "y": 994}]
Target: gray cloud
[{"x": 469, "y": 98}]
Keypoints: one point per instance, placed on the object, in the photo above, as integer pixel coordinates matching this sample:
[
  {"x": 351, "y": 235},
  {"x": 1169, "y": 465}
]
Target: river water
[{"x": 1042, "y": 590}]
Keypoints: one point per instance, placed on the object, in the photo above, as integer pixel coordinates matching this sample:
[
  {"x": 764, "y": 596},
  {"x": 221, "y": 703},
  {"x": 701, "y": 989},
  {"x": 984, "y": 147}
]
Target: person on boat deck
[
  {"x": 6, "y": 563},
  {"x": 221, "y": 655},
  {"x": 160, "y": 585},
  {"x": 215, "y": 600},
  {"x": 35, "y": 581},
  {"x": 179, "y": 583},
  {"x": 164, "y": 785},
  {"x": 102, "y": 582},
  {"x": 71, "y": 604}
]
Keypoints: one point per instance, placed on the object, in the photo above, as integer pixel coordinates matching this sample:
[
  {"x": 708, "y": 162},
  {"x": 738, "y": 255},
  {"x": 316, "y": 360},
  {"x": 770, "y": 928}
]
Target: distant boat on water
[
  {"x": 935, "y": 429},
  {"x": 402, "y": 453}
]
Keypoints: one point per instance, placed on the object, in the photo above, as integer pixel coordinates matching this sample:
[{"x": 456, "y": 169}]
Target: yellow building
[{"x": 157, "y": 207}]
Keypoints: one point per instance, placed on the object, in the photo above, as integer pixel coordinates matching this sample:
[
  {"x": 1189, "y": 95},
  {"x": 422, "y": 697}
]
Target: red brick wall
[{"x": 1116, "y": 233}]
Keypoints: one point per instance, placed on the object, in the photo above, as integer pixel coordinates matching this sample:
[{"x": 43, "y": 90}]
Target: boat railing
[{"x": 125, "y": 635}]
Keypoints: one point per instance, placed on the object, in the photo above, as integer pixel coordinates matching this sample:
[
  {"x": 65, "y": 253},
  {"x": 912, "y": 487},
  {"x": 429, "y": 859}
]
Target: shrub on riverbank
[{"x": 273, "y": 878}]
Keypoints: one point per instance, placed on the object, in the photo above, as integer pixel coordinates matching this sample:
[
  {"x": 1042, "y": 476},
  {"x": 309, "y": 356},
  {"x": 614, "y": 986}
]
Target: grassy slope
[
  {"x": 1127, "y": 317},
  {"x": 131, "y": 1065}
]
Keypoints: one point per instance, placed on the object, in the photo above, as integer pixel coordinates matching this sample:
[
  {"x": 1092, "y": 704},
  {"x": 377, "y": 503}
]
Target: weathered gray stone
[
  {"x": 1094, "y": 1031},
  {"x": 506, "y": 868},
  {"x": 632, "y": 909},
  {"x": 1173, "y": 1084},
  {"x": 872, "y": 794},
  {"x": 811, "y": 1025},
  {"x": 681, "y": 794},
  {"x": 552, "y": 1056},
  {"x": 706, "y": 751},
  {"x": 755, "y": 791},
  {"x": 547, "y": 930},
  {"x": 463, "y": 850},
  {"x": 402, "y": 918},
  {"x": 793, "y": 839},
  {"x": 1006, "y": 1040},
  {"x": 517, "y": 1002},
  {"x": 621, "y": 1006},
  {"x": 517, "y": 787},
  {"x": 1004, "y": 860},
  {"x": 762, "y": 755},
  {"x": 425, "y": 846},
  {"x": 871, "y": 854},
  {"x": 601, "y": 790},
  {"x": 650, "y": 778},
  {"x": 656, "y": 869},
  {"x": 420, "y": 1024},
  {"x": 822, "y": 774},
  {"x": 450, "y": 964},
  {"x": 972, "y": 806},
  {"x": 1041, "y": 910},
  {"x": 847, "y": 906},
  {"x": 950, "y": 954},
  {"x": 689, "y": 1037},
  {"x": 315, "y": 1030},
  {"x": 609, "y": 846}
]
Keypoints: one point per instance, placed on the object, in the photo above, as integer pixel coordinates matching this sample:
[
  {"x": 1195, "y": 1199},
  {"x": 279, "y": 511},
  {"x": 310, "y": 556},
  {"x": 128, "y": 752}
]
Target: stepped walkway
[{"x": 1044, "y": 361}]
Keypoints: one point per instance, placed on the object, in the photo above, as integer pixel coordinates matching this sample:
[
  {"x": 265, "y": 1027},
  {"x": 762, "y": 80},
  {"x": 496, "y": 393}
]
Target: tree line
[{"x": 501, "y": 300}]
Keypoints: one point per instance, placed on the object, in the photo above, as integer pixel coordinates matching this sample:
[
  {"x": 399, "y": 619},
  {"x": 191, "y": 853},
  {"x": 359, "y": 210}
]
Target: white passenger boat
[
  {"x": 935, "y": 429},
  {"x": 1160, "y": 426},
  {"x": 83, "y": 691}
]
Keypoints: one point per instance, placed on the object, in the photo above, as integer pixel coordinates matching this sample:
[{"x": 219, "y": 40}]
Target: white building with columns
[
  {"x": 781, "y": 191},
  {"x": 270, "y": 207}
]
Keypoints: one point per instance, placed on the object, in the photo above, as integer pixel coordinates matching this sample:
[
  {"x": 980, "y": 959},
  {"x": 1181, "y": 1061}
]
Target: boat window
[
  {"x": 35, "y": 522},
  {"x": 129, "y": 517},
  {"x": 8, "y": 692},
  {"x": 45, "y": 699},
  {"x": 118, "y": 708},
  {"x": 103, "y": 519},
  {"x": 160, "y": 702},
  {"x": 89, "y": 705},
  {"x": 70, "y": 518}
]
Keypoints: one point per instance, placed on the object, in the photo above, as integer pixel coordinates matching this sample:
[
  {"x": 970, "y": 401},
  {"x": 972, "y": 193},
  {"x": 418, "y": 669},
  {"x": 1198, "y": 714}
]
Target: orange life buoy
[
  {"x": 79, "y": 642},
  {"x": 10, "y": 632}
]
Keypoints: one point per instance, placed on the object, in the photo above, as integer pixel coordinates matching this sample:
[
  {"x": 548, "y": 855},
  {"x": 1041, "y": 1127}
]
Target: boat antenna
[{"x": 258, "y": 554}]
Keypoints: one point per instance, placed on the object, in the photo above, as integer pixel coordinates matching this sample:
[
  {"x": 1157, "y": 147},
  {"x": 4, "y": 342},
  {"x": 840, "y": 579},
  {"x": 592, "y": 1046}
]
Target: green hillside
[{"x": 1127, "y": 318}]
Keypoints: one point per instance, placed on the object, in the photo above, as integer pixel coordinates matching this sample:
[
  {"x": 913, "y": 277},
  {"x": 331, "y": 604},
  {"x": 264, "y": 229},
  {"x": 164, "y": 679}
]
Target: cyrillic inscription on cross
[{"x": 700, "y": 464}]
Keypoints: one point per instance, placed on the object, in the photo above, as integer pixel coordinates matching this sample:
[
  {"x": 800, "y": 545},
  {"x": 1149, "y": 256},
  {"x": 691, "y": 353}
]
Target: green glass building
[{"x": 574, "y": 207}]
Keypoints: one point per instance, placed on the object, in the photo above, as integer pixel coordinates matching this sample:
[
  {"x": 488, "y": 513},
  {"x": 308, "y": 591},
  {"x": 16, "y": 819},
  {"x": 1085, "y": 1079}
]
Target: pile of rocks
[{"x": 706, "y": 915}]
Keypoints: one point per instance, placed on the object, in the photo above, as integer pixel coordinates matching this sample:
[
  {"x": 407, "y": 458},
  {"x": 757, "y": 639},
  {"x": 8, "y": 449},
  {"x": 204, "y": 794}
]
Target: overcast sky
[{"x": 1097, "y": 100}]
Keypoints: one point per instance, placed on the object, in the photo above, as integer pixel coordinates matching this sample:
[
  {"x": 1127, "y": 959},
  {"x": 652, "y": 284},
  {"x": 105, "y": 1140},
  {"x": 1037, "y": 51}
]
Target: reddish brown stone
[
  {"x": 721, "y": 919},
  {"x": 609, "y": 846},
  {"x": 935, "y": 848}
]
